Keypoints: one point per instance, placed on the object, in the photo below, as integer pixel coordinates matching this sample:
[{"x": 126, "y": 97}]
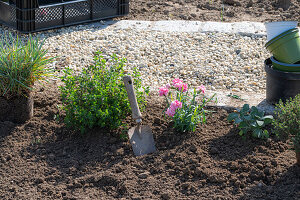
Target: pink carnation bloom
[
  {"x": 176, "y": 104},
  {"x": 177, "y": 81},
  {"x": 182, "y": 85},
  {"x": 170, "y": 111},
  {"x": 202, "y": 88},
  {"x": 163, "y": 91}
]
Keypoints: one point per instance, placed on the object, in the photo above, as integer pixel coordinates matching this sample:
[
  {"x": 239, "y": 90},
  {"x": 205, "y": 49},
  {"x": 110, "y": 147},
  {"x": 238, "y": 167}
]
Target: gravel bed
[{"x": 218, "y": 60}]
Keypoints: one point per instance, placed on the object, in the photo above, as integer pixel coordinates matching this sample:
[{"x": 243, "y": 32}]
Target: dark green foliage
[
  {"x": 97, "y": 96},
  {"x": 252, "y": 121},
  {"x": 287, "y": 121}
]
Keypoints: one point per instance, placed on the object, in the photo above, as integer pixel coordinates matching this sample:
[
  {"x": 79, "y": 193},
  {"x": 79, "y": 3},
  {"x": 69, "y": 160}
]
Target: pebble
[
  {"x": 217, "y": 60},
  {"x": 165, "y": 196},
  {"x": 144, "y": 175}
]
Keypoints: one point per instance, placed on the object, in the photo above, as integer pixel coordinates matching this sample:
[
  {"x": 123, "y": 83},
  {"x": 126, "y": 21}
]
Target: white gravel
[{"x": 218, "y": 60}]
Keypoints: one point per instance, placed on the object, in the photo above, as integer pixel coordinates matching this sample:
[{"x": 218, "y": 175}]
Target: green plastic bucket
[
  {"x": 286, "y": 46},
  {"x": 284, "y": 66}
]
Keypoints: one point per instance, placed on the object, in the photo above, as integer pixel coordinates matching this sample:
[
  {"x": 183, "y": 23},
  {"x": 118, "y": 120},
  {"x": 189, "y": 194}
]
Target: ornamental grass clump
[
  {"x": 287, "y": 121},
  {"x": 97, "y": 95},
  {"x": 186, "y": 111},
  {"x": 21, "y": 65}
]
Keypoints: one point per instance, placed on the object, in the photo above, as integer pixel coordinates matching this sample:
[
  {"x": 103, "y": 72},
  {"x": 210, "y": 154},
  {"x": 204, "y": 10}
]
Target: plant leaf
[
  {"x": 257, "y": 133},
  {"x": 260, "y": 123},
  {"x": 237, "y": 120},
  {"x": 241, "y": 133},
  {"x": 245, "y": 108},
  {"x": 232, "y": 116}
]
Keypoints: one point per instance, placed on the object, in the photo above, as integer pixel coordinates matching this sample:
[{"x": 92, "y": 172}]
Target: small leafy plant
[
  {"x": 97, "y": 95},
  {"x": 287, "y": 122},
  {"x": 21, "y": 65},
  {"x": 185, "y": 111},
  {"x": 251, "y": 120}
]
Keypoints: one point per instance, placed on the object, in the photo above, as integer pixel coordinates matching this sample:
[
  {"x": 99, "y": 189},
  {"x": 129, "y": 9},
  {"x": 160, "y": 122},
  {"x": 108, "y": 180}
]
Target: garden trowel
[{"x": 141, "y": 137}]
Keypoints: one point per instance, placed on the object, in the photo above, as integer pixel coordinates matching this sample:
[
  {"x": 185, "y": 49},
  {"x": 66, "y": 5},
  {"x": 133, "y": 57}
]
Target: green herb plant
[
  {"x": 287, "y": 121},
  {"x": 21, "y": 65},
  {"x": 251, "y": 121},
  {"x": 97, "y": 95}
]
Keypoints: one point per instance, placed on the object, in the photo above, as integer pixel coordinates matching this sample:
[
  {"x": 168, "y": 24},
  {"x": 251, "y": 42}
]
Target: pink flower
[
  {"x": 185, "y": 87},
  {"x": 170, "y": 111},
  {"x": 168, "y": 86},
  {"x": 163, "y": 91},
  {"x": 181, "y": 86},
  {"x": 177, "y": 81},
  {"x": 202, "y": 88},
  {"x": 176, "y": 104}
]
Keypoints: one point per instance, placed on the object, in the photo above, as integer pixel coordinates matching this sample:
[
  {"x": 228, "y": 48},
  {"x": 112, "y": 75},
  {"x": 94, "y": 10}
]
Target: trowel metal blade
[{"x": 141, "y": 139}]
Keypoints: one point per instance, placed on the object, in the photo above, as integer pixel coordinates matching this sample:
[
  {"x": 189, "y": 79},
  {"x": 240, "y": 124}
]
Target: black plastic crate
[{"x": 35, "y": 15}]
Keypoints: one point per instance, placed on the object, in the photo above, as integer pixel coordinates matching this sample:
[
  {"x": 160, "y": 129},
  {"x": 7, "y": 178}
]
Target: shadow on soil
[
  {"x": 6, "y": 128},
  {"x": 78, "y": 151},
  {"x": 287, "y": 186},
  {"x": 232, "y": 147}
]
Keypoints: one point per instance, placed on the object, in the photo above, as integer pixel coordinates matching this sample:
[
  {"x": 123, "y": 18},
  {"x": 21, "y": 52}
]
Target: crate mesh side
[
  {"x": 55, "y": 15},
  {"x": 77, "y": 9},
  {"x": 48, "y": 14},
  {"x": 100, "y": 5},
  {"x": 13, "y": 16}
]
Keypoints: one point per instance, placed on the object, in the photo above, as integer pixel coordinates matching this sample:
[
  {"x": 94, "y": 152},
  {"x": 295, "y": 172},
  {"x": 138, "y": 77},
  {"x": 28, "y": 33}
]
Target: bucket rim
[
  {"x": 284, "y": 22},
  {"x": 285, "y": 75},
  {"x": 273, "y": 59},
  {"x": 270, "y": 42}
]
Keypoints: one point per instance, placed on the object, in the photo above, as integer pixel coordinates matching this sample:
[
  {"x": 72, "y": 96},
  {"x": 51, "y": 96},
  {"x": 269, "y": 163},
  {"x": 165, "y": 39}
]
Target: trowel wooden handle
[{"x": 136, "y": 114}]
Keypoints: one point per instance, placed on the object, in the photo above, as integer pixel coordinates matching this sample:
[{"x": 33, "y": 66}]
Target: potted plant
[
  {"x": 21, "y": 65},
  {"x": 287, "y": 122}
]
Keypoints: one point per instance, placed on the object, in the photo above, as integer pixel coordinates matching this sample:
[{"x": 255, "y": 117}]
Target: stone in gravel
[
  {"x": 136, "y": 198},
  {"x": 144, "y": 175},
  {"x": 119, "y": 169},
  {"x": 249, "y": 4},
  {"x": 185, "y": 186},
  {"x": 8, "y": 157},
  {"x": 165, "y": 196},
  {"x": 193, "y": 148},
  {"x": 126, "y": 161},
  {"x": 39, "y": 181},
  {"x": 232, "y": 2},
  {"x": 198, "y": 171}
]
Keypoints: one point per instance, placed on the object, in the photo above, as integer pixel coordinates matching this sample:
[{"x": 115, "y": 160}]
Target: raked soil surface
[
  {"x": 42, "y": 159},
  {"x": 213, "y": 10}
]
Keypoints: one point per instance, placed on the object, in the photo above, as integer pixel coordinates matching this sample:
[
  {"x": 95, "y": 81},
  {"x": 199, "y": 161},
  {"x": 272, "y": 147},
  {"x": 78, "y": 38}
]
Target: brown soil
[
  {"x": 17, "y": 109},
  {"x": 42, "y": 159},
  {"x": 210, "y": 10}
]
